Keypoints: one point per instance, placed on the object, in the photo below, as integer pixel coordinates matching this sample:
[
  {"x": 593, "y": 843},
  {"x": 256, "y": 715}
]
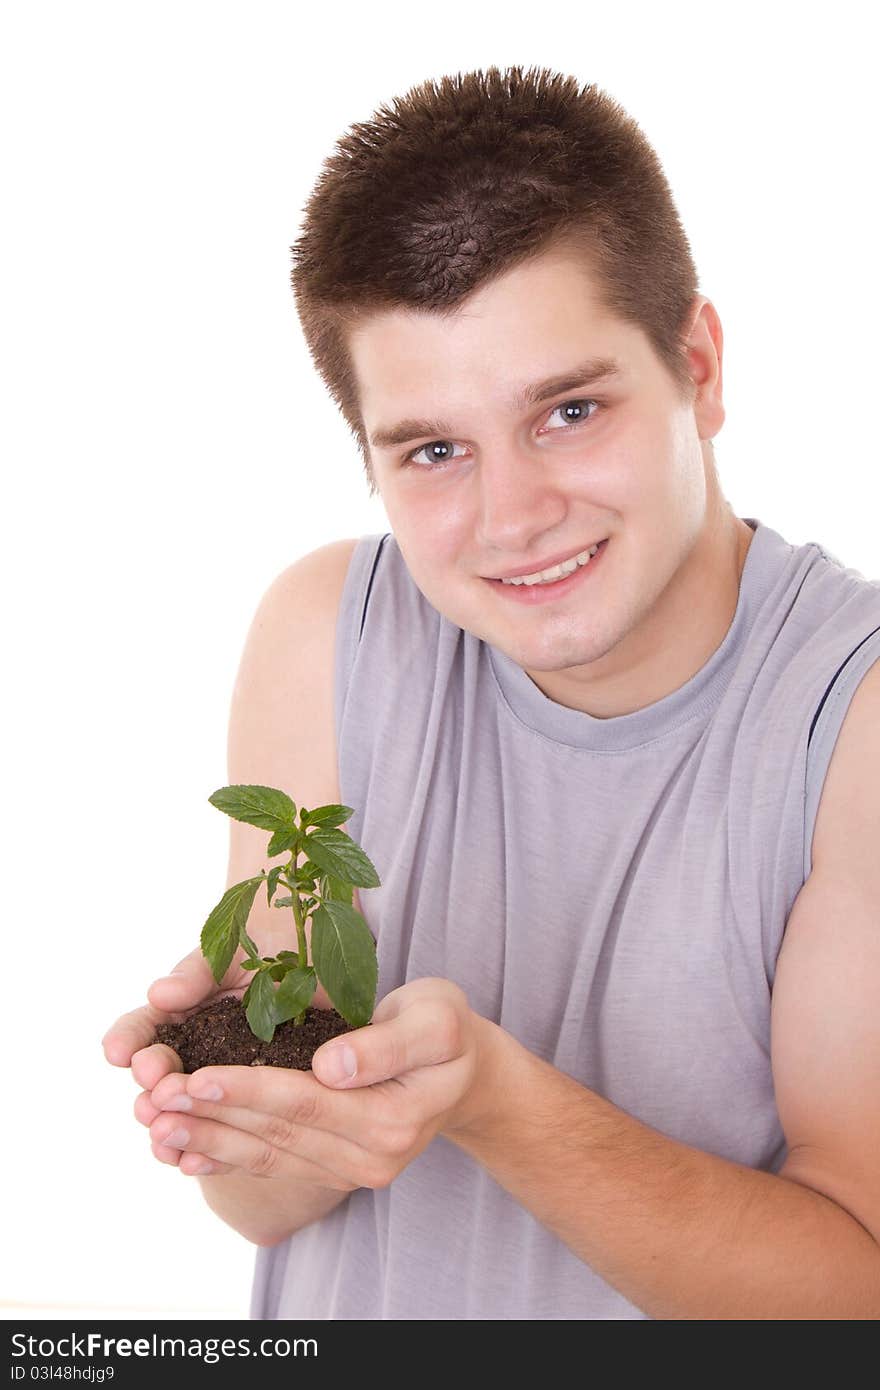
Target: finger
[
  {"x": 145, "y": 1111},
  {"x": 428, "y": 1031},
  {"x": 170, "y": 1097},
  {"x": 193, "y": 1165},
  {"x": 196, "y": 1165},
  {"x": 169, "y": 998},
  {"x": 132, "y": 1031},
  {"x": 185, "y": 986},
  {"x": 151, "y": 1063},
  {"x": 249, "y": 1097},
  {"x": 165, "y": 1154},
  {"x": 309, "y": 1155}
]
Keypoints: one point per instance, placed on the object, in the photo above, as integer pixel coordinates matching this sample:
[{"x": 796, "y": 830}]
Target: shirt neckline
[{"x": 766, "y": 554}]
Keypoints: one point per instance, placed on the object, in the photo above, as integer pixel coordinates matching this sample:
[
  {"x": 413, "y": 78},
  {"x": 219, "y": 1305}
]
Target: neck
[{"x": 674, "y": 640}]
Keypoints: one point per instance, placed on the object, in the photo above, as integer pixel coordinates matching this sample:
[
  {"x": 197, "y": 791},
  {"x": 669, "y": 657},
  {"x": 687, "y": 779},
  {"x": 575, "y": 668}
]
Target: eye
[
  {"x": 435, "y": 461},
  {"x": 578, "y": 404},
  {"x": 432, "y": 464}
]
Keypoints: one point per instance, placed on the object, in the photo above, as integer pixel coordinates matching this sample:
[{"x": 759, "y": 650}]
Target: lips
[
  {"x": 541, "y": 565},
  {"x": 537, "y": 595}
]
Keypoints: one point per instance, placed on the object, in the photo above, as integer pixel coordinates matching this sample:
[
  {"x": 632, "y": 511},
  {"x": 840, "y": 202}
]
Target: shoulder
[
  {"x": 281, "y": 726},
  {"x": 281, "y": 723},
  {"x": 296, "y": 616},
  {"x": 849, "y": 805},
  {"x": 284, "y": 685},
  {"x": 318, "y": 576}
]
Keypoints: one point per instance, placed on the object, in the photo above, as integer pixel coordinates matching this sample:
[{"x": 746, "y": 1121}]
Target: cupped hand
[
  {"x": 130, "y": 1041},
  {"x": 375, "y": 1098}
]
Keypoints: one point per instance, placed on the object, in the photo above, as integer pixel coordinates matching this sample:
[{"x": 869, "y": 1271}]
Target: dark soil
[{"x": 219, "y": 1035}]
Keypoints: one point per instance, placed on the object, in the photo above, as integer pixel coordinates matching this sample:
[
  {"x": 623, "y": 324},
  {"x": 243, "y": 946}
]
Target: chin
[{"x": 558, "y": 655}]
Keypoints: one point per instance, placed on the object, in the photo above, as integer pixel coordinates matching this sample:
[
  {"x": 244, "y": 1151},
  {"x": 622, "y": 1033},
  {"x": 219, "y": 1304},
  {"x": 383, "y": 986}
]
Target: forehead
[{"x": 536, "y": 321}]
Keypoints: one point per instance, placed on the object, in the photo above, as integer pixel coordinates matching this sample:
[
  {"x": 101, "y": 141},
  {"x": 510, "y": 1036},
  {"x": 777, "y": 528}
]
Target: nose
[{"x": 519, "y": 500}]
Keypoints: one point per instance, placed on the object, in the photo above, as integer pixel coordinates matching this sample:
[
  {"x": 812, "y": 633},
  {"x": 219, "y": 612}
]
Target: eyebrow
[{"x": 587, "y": 374}]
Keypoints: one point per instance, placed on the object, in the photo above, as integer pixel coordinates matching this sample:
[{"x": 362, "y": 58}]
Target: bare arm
[
  {"x": 281, "y": 734},
  {"x": 685, "y": 1234}
]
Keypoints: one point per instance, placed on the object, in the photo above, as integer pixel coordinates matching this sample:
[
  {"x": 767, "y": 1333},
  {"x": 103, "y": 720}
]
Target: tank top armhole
[
  {"x": 825, "y": 727},
  {"x": 352, "y": 616}
]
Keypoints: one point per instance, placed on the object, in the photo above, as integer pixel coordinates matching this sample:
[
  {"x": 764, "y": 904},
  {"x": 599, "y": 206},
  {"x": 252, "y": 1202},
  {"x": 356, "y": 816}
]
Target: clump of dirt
[{"x": 220, "y": 1036}]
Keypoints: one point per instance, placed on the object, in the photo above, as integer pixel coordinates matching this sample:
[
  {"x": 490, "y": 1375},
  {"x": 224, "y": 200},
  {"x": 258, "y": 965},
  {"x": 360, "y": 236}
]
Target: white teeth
[{"x": 557, "y": 571}]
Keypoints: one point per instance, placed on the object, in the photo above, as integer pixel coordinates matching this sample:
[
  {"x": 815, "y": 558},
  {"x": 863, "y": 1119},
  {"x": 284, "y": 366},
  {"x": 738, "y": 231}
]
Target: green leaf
[
  {"x": 294, "y": 994},
  {"x": 283, "y": 902},
  {"x": 259, "y": 1002},
  {"x": 290, "y": 956},
  {"x": 344, "y": 957},
  {"x": 327, "y": 816},
  {"x": 307, "y": 872},
  {"x": 250, "y": 965},
  {"x": 336, "y": 889},
  {"x": 282, "y": 840},
  {"x": 336, "y": 853},
  {"x": 272, "y": 881},
  {"x": 261, "y": 806},
  {"x": 221, "y": 932},
  {"x": 250, "y": 947}
]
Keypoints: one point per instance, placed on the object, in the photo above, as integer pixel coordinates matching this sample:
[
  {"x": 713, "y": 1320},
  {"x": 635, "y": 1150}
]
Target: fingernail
[
  {"x": 338, "y": 1064},
  {"x": 202, "y": 1169},
  {"x": 178, "y": 1103},
  {"x": 178, "y": 1139},
  {"x": 205, "y": 1090}
]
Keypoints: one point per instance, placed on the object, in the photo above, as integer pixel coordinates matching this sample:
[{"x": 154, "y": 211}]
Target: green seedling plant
[{"x": 343, "y": 954}]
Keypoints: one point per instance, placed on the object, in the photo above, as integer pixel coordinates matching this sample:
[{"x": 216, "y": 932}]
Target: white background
[{"x": 168, "y": 449}]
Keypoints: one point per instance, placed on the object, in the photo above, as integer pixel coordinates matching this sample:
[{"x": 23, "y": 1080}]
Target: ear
[{"x": 705, "y": 348}]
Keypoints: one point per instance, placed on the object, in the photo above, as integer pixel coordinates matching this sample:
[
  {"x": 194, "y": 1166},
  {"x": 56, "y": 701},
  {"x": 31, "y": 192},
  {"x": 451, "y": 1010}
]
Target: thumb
[
  {"x": 417, "y": 1037},
  {"x": 188, "y": 984}
]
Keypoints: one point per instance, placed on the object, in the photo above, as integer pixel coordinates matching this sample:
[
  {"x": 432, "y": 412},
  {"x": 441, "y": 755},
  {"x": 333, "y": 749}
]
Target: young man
[{"x": 625, "y": 1061}]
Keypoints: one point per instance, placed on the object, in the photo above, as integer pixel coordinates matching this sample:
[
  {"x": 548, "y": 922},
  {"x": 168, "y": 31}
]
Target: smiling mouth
[
  {"x": 542, "y": 591},
  {"x": 552, "y": 574}
]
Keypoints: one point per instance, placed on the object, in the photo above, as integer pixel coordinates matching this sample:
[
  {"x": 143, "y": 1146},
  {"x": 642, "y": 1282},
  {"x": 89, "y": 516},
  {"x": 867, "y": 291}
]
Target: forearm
[
  {"x": 265, "y": 1210},
  {"x": 680, "y": 1233}
]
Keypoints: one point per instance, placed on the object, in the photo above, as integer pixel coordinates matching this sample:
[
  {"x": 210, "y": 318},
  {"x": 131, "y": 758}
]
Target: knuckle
[
  {"x": 374, "y": 1137},
  {"x": 439, "y": 989},
  {"x": 263, "y": 1162},
  {"x": 389, "y": 1059},
  {"x": 303, "y": 1110},
  {"x": 400, "y": 1140},
  {"x": 390, "y": 1141},
  {"x": 279, "y": 1132},
  {"x": 447, "y": 1028}
]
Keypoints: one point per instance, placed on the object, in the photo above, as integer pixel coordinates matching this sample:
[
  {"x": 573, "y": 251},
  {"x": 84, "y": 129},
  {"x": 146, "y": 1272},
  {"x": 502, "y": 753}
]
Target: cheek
[
  {"x": 639, "y": 469},
  {"x": 430, "y": 528}
]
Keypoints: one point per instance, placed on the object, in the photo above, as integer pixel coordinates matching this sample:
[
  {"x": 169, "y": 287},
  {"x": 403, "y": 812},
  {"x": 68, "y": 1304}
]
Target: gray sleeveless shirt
[{"x": 613, "y": 892}]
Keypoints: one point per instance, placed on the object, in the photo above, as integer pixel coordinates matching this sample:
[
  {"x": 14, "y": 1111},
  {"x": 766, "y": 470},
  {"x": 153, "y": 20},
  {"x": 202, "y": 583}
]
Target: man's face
[{"x": 494, "y": 484}]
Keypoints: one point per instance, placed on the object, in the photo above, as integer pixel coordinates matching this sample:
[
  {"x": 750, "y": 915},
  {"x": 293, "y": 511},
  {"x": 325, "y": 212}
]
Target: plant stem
[{"x": 296, "y": 906}]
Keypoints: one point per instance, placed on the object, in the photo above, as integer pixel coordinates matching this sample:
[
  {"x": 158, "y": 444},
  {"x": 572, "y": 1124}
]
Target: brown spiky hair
[{"x": 464, "y": 178}]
